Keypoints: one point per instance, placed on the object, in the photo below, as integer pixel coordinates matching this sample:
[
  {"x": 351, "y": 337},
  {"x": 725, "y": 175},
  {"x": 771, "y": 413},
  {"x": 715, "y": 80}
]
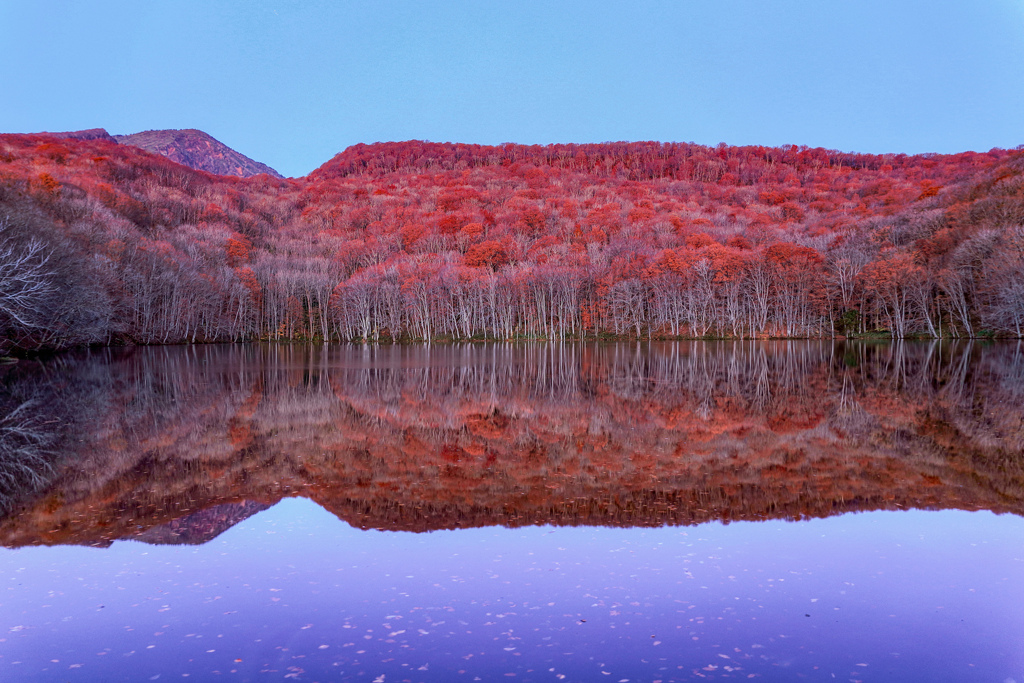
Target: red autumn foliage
[{"x": 455, "y": 241}]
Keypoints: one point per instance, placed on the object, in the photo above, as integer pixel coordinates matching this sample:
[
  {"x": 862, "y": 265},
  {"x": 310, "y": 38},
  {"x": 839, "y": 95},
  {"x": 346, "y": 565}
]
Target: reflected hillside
[{"x": 176, "y": 444}]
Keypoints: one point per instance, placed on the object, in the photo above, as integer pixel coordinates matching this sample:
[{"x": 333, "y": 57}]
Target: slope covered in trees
[{"x": 102, "y": 243}]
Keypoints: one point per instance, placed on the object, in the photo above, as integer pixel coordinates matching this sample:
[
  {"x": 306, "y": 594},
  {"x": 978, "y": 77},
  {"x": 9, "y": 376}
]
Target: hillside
[{"x": 419, "y": 240}]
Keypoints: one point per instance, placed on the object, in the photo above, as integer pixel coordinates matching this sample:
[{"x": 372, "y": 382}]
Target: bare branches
[{"x": 26, "y": 279}]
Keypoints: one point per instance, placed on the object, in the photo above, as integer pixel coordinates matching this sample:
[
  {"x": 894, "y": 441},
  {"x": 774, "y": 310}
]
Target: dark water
[{"x": 776, "y": 511}]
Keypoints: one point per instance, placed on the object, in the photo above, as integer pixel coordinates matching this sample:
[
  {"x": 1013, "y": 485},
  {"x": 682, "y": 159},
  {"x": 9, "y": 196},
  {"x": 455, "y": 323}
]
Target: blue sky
[{"x": 292, "y": 83}]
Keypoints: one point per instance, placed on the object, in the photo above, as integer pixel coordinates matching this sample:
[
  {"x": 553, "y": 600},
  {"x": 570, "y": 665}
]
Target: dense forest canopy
[{"x": 105, "y": 243}]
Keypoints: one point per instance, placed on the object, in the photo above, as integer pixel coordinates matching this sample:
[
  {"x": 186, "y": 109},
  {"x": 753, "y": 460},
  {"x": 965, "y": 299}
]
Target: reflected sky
[{"x": 294, "y": 592}]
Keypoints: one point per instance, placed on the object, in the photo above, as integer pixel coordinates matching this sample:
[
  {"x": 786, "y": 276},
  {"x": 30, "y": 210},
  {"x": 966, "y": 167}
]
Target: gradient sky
[{"x": 292, "y": 83}]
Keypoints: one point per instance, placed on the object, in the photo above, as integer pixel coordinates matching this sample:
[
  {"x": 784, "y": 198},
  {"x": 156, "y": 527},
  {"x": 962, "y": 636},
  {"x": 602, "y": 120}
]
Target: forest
[{"x": 106, "y": 244}]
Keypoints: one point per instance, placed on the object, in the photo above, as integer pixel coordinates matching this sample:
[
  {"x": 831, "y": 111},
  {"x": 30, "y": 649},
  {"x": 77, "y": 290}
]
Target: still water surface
[{"x": 769, "y": 511}]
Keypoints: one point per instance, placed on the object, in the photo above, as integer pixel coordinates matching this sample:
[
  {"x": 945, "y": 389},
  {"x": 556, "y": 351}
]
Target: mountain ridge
[
  {"x": 196, "y": 149},
  {"x": 187, "y": 146}
]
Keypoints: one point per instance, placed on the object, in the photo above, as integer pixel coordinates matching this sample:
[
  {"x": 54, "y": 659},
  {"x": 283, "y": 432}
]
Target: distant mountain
[
  {"x": 188, "y": 147},
  {"x": 196, "y": 149}
]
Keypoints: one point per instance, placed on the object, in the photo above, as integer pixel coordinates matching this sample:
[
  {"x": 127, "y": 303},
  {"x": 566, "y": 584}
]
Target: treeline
[
  {"x": 751, "y": 165},
  {"x": 101, "y": 243}
]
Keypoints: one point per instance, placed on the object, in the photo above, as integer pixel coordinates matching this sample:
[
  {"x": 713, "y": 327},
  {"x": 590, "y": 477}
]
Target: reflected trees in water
[{"x": 443, "y": 436}]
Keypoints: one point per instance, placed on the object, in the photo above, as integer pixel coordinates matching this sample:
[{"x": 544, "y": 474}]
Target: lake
[{"x": 776, "y": 511}]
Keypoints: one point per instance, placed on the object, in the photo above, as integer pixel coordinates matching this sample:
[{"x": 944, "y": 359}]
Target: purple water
[{"x": 294, "y": 593}]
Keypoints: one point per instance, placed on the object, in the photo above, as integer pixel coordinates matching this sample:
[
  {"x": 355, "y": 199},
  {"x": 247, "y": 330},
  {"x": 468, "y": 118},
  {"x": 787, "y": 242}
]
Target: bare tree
[{"x": 26, "y": 280}]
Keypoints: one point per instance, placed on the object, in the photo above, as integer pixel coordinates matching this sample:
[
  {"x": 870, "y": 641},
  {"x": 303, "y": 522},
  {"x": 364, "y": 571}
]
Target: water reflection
[{"x": 175, "y": 445}]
